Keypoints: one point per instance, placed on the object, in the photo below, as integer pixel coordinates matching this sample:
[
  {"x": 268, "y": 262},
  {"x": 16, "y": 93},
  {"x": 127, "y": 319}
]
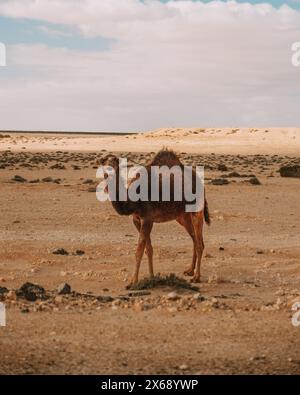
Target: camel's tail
[{"x": 206, "y": 213}]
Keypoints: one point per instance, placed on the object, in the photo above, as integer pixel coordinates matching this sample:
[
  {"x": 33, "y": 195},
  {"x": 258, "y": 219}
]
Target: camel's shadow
[{"x": 159, "y": 281}]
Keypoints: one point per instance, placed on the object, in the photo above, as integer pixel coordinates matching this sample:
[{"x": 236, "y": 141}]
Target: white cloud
[{"x": 178, "y": 63}]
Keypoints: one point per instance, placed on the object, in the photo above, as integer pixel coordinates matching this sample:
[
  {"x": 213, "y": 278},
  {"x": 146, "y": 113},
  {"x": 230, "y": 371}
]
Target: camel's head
[{"x": 109, "y": 160}]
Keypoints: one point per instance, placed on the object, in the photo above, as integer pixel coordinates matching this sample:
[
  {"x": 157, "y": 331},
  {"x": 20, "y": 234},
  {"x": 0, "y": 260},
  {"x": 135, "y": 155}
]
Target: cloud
[{"x": 179, "y": 63}]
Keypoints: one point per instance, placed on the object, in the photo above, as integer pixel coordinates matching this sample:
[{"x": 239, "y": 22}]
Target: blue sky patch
[{"x": 28, "y": 31}]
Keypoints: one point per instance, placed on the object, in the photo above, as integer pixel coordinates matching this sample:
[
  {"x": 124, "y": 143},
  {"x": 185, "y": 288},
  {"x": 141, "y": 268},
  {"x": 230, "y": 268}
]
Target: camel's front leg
[
  {"x": 149, "y": 248},
  {"x": 144, "y": 239}
]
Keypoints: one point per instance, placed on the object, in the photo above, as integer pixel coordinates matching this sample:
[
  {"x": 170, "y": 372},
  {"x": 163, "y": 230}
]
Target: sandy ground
[
  {"x": 194, "y": 140},
  {"x": 238, "y": 322}
]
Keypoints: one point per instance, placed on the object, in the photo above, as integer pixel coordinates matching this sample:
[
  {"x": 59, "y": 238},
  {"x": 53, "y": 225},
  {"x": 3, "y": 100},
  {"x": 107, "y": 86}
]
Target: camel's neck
[{"x": 122, "y": 207}]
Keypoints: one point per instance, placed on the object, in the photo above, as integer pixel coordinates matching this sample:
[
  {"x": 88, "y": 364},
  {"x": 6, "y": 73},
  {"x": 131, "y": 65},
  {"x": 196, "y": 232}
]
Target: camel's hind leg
[
  {"x": 186, "y": 221},
  {"x": 144, "y": 228},
  {"x": 197, "y": 220}
]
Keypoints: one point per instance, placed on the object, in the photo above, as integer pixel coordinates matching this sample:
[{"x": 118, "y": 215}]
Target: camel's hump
[{"x": 165, "y": 157}]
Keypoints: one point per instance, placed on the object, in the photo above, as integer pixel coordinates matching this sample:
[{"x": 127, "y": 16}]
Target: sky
[{"x": 132, "y": 65}]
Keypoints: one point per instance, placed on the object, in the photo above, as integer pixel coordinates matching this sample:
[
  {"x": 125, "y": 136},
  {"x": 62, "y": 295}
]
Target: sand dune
[{"x": 193, "y": 140}]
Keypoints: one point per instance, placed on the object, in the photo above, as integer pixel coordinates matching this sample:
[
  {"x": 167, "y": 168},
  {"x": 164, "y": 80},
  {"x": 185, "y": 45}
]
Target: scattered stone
[
  {"x": 31, "y": 292},
  {"x": 11, "y": 295},
  {"x": 19, "y": 179},
  {"x": 260, "y": 252},
  {"x": 47, "y": 179},
  {"x": 213, "y": 279},
  {"x": 64, "y": 289},
  {"x": 232, "y": 174},
  {"x": 79, "y": 252},
  {"x": 59, "y": 166},
  {"x": 219, "y": 181},
  {"x": 60, "y": 251},
  {"x": 198, "y": 297},
  {"x": 3, "y": 290},
  {"x": 222, "y": 167},
  {"x": 105, "y": 299},
  {"x": 290, "y": 171},
  {"x": 88, "y": 181},
  {"x": 58, "y": 299},
  {"x": 254, "y": 181},
  {"x": 173, "y": 296},
  {"x": 172, "y": 309},
  {"x": 183, "y": 367},
  {"x": 221, "y": 248}
]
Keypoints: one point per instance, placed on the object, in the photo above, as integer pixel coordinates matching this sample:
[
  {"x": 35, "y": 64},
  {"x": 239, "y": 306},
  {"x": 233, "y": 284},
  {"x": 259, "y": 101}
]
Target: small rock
[
  {"x": 172, "y": 309},
  {"x": 197, "y": 296},
  {"x": 254, "y": 181},
  {"x": 47, "y": 179},
  {"x": 79, "y": 252},
  {"x": 3, "y": 290},
  {"x": 116, "y": 302},
  {"x": 290, "y": 171},
  {"x": 31, "y": 292},
  {"x": 58, "y": 299},
  {"x": 11, "y": 295},
  {"x": 64, "y": 289},
  {"x": 105, "y": 299},
  {"x": 60, "y": 251},
  {"x": 183, "y": 367},
  {"x": 222, "y": 167},
  {"x": 88, "y": 181},
  {"x": 213, "y": 279},
  {"x": 219, "y": 181},
  {"x": 173, "y": 296},
  {"x": 19, "y": 179}
]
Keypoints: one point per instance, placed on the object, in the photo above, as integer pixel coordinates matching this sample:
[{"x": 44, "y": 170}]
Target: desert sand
[
  {"x": 239, "y": 319},
  {"x": 193, "y": 140}
]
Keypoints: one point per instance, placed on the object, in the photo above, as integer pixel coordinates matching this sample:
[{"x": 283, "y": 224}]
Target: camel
[{"x": 146, "y": 213}]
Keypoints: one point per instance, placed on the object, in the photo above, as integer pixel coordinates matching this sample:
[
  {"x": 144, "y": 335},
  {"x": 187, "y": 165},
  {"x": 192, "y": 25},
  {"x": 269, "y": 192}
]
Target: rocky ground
[{"x": 80, "y": 253}]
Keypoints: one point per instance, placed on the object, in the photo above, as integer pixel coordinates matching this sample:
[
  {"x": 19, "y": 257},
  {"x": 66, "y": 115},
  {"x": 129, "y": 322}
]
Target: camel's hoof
[
  {"x": 196, "y": 279},
  {"x": 189, "y": 272},
  {"x": 131, "y": 284}
]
